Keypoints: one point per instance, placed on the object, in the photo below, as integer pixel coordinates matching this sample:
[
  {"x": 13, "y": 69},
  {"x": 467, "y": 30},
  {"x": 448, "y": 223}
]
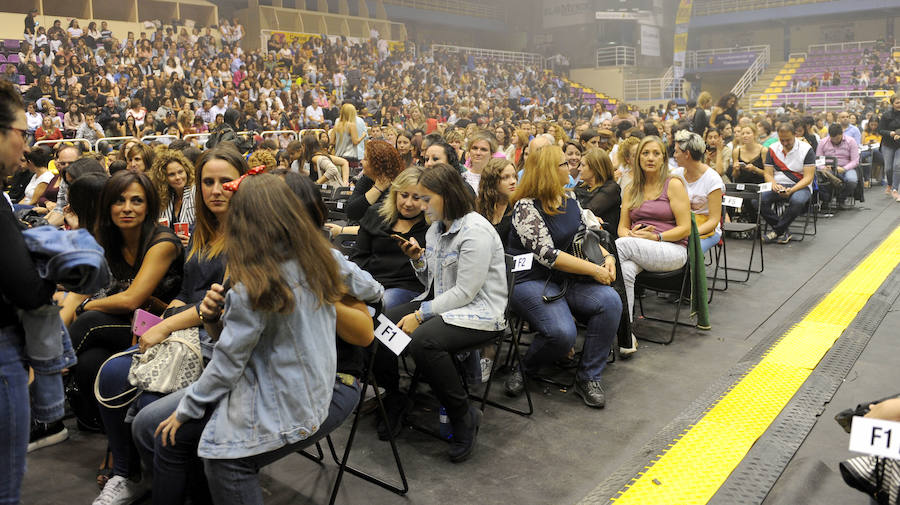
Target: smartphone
[
  {"x": 143, "y": 321},
  {"x": 398, "y": 238},
  {"x": 183, "y": 228}
]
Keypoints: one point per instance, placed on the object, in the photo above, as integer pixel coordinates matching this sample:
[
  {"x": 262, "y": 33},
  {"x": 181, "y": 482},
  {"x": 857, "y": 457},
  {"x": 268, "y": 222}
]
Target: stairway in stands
[{"x": 590, "y": 95}]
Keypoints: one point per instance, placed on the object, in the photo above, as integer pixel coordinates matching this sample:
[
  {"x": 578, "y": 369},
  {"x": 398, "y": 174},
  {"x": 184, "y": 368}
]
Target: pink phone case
[{"x": 143, "y": 321}]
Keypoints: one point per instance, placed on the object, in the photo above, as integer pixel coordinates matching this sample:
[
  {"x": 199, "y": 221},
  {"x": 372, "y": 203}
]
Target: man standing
[
  {"x": 790, "y": 167},
  {"x": 845, "y": 150},
  {"x": 849, "y": 130}
]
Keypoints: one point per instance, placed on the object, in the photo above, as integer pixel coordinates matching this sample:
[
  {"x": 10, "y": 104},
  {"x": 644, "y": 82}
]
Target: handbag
[
  {"x": 587, "y": 245},
  {"x": 875, "y": 476},
  {"x": 173, "y": 364}
]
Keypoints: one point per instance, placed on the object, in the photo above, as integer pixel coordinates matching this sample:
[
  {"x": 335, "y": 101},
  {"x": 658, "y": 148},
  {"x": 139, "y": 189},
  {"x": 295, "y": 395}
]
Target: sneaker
[
  {"x": 591, "y": 392},
  {"x": 486, "y": 366},
  {"x": 46, "y": 434},
  {"x": 770, "y": 237},
  {"x": 464, "y": 433},
  {"x": 515, "y": 383},
  {"x": 626, "y": 352},
  {"x": 784, "y": 238},
  {"x": 121, "y": 491}
]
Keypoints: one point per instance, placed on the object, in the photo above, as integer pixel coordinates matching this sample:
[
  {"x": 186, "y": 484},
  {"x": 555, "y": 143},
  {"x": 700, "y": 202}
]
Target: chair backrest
[
  {"x": 326, "y": 191},
  {"x": 345, "y": 242},
  {"x": 342, "y": 193},
  {"x": 510, "y": 278}
]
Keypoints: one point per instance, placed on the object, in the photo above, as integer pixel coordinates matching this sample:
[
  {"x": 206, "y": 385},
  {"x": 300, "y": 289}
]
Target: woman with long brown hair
[
  {"x": 269, "y": 341},
  {"x": 498, "y": 183},
  {"x": 598, "y": 190}
]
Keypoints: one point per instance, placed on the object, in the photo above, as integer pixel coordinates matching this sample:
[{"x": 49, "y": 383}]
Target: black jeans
[{"x": 431, "y": 348}]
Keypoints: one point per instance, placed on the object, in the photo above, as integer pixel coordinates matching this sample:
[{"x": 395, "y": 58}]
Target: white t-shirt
[
  {"x": 699, "y": 190},
  {"x": 314, "y": 113},
  {"x": 472, "y": 179},
  {"x": 36, "y": 180}
]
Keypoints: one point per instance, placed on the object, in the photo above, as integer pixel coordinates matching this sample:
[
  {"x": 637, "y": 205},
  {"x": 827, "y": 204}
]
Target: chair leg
[
  {"x": 319, "y": 457},
  {"x": 487, "y": 388}
]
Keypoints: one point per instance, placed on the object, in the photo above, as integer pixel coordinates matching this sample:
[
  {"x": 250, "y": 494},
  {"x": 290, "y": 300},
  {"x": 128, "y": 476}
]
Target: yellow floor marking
[{"x": 697, "y": 463}]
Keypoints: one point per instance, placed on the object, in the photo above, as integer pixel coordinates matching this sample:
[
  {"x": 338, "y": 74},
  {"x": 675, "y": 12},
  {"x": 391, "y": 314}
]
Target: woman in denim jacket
[
  {"x": 268, "y": 387},
  {"x": 464, "y": 268}
]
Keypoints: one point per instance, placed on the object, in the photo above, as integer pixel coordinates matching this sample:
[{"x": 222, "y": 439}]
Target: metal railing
[
  {"x": 694, "y": 58},
  {"x": 280, "y": 132},
  {"x": 618, "y": 56},
  {"x": 840, "y": 46},
  {"x": 113, "y": 140},
  {"x": 710, "y": 7},
  {"x": 660, "y": 88},
  {"x": 800, "y": 54},
  {"x": 760, "y": 64},
  {"x": 516, "y": 57},
  {"x": 163, "y": 139},
  {"x": 816, "y": 100},
  {"x": 54, "y": 142},
  {"x": 462, "y": 7}
]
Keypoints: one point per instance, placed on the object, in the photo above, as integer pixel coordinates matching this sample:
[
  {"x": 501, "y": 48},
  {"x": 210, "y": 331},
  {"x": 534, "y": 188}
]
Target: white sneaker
[
  {"x": 486, "y": 365},
  {"x": 121, "y": 491},
  {"x": 626, "y": 352}
]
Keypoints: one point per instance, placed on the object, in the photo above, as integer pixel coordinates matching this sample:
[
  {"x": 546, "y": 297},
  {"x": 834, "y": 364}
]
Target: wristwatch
[{"x": 79, "y": 310}]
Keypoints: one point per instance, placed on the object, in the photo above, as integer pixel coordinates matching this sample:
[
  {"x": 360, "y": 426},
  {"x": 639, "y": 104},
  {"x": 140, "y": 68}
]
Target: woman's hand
[
  {"x": 602, "y": 275},
  {"x": 168, "y": 429},
  {"x": 152, "y": 337},
  {"x": 409, "y": 323},
  {"x": 643, "y": 231},
  {"x": 334, "y": 229},
  {"x": 412, "y": 249},
  {"x": 213, "y": 303},
  {"x": 610, "y": 265},
  {"x": 184, "y": 238}
]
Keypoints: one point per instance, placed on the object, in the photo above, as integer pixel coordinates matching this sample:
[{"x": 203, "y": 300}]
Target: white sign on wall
[
  {"x": 561, "y": 13},
  {"x": 650, "y": 40}
]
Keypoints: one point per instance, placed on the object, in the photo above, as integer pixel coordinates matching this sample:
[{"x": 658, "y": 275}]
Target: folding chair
[
  {"x": 345, "y": 242},
  {"x": 342, "y": 194},
  {"x": 327, "y": 192},
  {"x": 336, "y": 210},
  {"x": 744, "y": 193},
  {"x": 342, "y": 461}
]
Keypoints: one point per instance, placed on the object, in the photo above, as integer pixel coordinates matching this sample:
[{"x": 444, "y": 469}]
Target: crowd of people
[{"x": 446, "y": 167}]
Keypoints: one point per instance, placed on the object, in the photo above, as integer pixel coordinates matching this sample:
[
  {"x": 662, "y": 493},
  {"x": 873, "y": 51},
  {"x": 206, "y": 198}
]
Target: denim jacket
[
  {"x": 271, "y": 375},
  {"x": 467, "y": 265}
]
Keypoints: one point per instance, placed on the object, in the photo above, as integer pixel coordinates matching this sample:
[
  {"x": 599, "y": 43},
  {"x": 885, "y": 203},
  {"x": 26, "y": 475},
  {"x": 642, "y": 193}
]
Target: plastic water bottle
[{"x": 446, "y": 428}]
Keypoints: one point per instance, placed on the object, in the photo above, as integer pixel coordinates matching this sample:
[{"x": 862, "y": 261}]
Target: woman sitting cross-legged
[
  {"x": 464, "y": 269},
  {"x": 559, "y": 287},
  {"x": 378, "y": 246},
  {"x": 655, "y": 221}
]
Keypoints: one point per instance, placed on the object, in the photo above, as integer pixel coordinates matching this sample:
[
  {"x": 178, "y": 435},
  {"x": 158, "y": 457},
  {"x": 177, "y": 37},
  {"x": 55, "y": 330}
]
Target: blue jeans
[
  {"x": 891, "y": 164},
  {"x": 555, "y": 323},
  {"x": 15, "y": 414},
  {"x": 707, "y": 243},
  {"x": 796, "y": 206},
  {"x": 236, "y": 481},
  {"x": 398, "y": 296}
]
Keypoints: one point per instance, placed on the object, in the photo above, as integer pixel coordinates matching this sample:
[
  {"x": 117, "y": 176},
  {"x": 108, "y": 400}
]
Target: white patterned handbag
[{"x": 173, "y": 364}]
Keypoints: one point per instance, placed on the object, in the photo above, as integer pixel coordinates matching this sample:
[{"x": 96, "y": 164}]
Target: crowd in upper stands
[{"x": 436, "y": 165}]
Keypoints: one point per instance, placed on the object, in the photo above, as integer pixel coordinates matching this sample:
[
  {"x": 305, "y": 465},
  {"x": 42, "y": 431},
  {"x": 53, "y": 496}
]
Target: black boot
[{"x": 464, "y": 432}]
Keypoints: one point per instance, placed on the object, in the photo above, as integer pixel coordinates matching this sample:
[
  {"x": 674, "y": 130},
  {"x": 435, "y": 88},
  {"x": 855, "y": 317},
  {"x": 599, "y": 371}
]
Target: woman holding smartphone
[
  {"x": 204, "y": 266},
  {"x": 463, "y": 268},
  {"x": 747, "y": 159},
  {"x": 381, "y": 231},
  {"x": 282, "y": 302},
  {"x": 655, "y": 221}
]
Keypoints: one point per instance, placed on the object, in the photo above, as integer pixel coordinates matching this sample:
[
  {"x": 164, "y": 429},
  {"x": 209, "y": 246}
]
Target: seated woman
[
  {"x": 38, "y": 160},
  {"x": 559, "y": 287},
  {"x": 270, "y": 348},
  {"x": 146, "y": 264},
  {"x": 498, "y": 183},
  {"x": 747, "y": 160},
  {"x": 598, "y": 190},
  {"x": 481, "y": 147},
  {"x": 379, "y": 167},
  {"x": 377, "y": 246},
  {"x": 321, "y": 167},
  {"x": 173, "y": 177},
  {"x": 464, "y": 270},
  {"x": 205, "y": 266},
  {"x": 655, "y": 221},
  {"x": 704, "y": 187},
  {"x": 625, "y": 161},
  {"x": 440, "y": 152},
  {"x": 140, "y": 157},
  {"x": 573, "y": 152}
]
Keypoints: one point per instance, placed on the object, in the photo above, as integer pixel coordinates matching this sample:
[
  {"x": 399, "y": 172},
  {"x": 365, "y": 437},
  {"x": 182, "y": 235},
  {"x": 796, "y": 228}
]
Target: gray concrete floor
[{"x": 561, "y": 453}]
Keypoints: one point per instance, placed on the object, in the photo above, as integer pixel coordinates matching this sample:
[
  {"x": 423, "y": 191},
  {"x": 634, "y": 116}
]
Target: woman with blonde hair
[
  {"x": 173, "y": 177},
  {"x": 625, "y": 160},
  {"x": 655, "y": 220},
  {"x": 345, "y": 136},
  {"x": 378, "y": 251},
  {"x": 559, "y": 285},
  {"x": 598, "y": 190},
  {"x": 481, "y": 147},
  {"x": 702, "y": 112}
]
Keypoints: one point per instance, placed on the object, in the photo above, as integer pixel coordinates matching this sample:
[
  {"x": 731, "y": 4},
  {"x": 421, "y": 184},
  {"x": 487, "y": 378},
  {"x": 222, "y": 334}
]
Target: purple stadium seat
[
  {"x": 21, "y": 79},
  {"x": 11, "y": 44},
  {"x": 13, "y": 58}
]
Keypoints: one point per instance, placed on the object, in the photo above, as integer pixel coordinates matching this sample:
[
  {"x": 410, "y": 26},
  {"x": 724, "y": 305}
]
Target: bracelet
[
  {"x": 418, "y": 316},
  {"x": 659, "y": 237},
  {"x": 80, "y": 308}
]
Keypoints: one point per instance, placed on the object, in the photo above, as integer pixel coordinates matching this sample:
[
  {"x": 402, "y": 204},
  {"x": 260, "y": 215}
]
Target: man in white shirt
[
  {"x": 218, "y": 108},
  {"x": 791, "y": 168},
  {"x": 314, "y": 115}
]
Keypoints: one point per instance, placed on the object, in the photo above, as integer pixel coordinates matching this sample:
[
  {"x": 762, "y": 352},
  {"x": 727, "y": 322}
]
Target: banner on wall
[
  {"x": 650, "y": 40},
  {"x": 682, "y": 21},
  {"x": 727, "y": 61},
  {"x": 562, "y": 13}
]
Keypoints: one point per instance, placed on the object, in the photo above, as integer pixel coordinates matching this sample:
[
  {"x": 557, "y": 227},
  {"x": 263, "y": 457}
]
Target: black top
[
  {"x": 20, "y": 285},
  {"x": 18, "y": 183},
  {"x": 123, "y": 273},
  {"x": 701, "y": 121},
  {"x": 357, "y": 205},
  {"x": 380, "y": 255},
  {"x": 199, "y": 274},
  {"x": 890, "y": 122},
  {"x": 604, "y": 201},
  {"x": 747, "y": 177},
  {"x": 504, "y": 226}
]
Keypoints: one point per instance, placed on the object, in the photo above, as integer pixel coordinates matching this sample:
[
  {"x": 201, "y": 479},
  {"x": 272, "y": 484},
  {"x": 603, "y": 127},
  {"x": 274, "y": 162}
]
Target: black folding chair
[
  {"x": 345, "y": 242},
  {"x": 749, "y": 197}
]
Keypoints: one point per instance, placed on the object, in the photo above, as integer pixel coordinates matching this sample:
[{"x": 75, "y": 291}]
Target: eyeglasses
[{"x": 22, "y": 132}]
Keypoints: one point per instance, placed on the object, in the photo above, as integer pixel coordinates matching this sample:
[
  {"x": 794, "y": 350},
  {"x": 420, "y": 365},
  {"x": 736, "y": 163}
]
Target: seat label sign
[
  {"x": 522, "y": 262},
  {"x": 391, "y": 335},
  {"x": 732, "y": 201},
  {"x": 875, "y": 437}
]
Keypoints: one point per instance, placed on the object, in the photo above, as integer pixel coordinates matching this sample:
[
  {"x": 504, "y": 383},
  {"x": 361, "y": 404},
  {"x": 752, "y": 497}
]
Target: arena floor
[{"x": 566, "y": 453}]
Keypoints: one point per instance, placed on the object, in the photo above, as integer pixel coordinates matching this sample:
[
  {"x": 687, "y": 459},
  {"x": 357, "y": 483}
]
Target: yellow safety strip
[{"x": 693, "y": 467}]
